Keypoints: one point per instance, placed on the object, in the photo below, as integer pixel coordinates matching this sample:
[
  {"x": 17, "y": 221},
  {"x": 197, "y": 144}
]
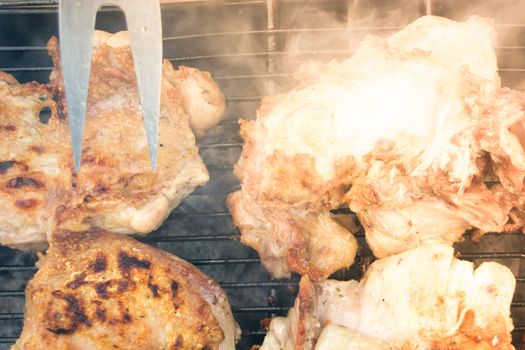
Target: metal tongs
[{"x": 76, "y": 25}]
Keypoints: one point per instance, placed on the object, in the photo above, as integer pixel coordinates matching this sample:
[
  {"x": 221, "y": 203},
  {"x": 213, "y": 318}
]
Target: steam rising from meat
[{"x": 404, "y": 132}]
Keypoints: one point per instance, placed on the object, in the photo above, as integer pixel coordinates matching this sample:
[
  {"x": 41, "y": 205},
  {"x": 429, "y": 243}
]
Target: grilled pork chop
[
  {"x": 98, "y": 290},
  {"x": 115, "y": 188},
  {"x": 405, "y": 133},
  {"x": 421, "y": 299}
]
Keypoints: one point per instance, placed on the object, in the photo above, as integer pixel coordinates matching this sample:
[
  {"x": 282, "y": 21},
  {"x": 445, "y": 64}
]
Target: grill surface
[{"x": 248, "y": 46}]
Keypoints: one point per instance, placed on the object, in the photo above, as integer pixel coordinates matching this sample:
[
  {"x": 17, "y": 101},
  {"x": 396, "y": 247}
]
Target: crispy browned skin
[
  {"x": 115, "y": 188},
  {"x": 31, "y": 156},
  {"x": 102, "y": 291},
  {"x": 300, "y": 242}
]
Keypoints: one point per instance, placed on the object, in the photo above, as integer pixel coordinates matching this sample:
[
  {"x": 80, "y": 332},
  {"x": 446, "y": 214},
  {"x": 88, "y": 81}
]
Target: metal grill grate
[{"x": 248, "y": 46}]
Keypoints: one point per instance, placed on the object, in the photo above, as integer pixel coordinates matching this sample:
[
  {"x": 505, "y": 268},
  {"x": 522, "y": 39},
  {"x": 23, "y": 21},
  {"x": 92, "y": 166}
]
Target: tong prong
[
  {"x": 76, "y": 17},
  {"x": 145, "y": 30},
  {"x": 76, "y": 25}
]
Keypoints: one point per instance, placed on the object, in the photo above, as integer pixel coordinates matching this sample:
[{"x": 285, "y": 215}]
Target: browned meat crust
[
  {"x": 115, "y": 188},
  {"x": 98, "y": 290}
]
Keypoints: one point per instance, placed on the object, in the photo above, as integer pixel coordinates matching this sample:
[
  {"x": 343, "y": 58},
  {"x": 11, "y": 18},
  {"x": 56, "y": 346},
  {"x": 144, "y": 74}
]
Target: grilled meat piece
[
  {"x": 301, "y": 242},
  {"x": 405, "y": 132},
  {"x": 98, "y": 290},
  {"x": 115, "y": 188},
  {"x": 423, "y": 298}
]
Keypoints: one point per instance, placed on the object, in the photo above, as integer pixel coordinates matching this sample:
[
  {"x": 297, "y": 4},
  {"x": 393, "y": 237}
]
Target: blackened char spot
[
  {"x": 4, "y": 166},
  {"x": 77, "y": 281},
  {"x": 127, "y": 262},
  {"x": 174, "y": 288},
  {"x": 124, "y": 284},
  {"x": 67, "y": 330},
  {"x": 153, "y": 287},
  {"x": 101, "y": 314},
  {"x": 26, "y": 203},
  {"x": 126, "y": 317},
  {"x": 19, "y": 182},
  {"x": 107, "y": 288},
  {"x": 102, "y": 289},
  {"x": 67, "y": 320},
  {"x": 179, "y": 342},
  {"x": 100, "y": 263}
]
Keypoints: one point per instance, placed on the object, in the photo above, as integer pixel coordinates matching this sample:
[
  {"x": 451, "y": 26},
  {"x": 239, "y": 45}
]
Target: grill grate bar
[
  {"x": 244, "y": 98},
  {"x": 260, "y": 309},
  {"x": 17, "y": 268},
  {"x": 221, "y": 145},
  {"x": 8, "y": 340},
  {"x": 14, "y": 294},
  {"x": 225, "y": 261},
  {"x": 12, "y": 316},
  {"x": 220, "y": 167},
  {"x": 493, "y": 255},
  {"x": 192, "y": 238},
  {"x": 209, "y": 214},
  {"x": 23, "y": 48},
  {"x": 26, "y": 69},
  {"x": 260, "y": 54},
  {"x": 230, "y": 77},
  {"x": 259, "y": 284},
  {"x": 252, "y": 76},
  {"x": 280, "y": 31}
]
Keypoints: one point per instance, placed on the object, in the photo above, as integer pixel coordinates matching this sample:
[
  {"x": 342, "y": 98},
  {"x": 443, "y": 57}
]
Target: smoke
[
  {"x": 509, "y": 17},
  {"x": 332, "y": 30}
]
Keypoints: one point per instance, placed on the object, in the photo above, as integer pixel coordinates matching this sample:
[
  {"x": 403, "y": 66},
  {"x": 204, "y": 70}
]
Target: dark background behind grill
[{"x": 248, "y": 46}]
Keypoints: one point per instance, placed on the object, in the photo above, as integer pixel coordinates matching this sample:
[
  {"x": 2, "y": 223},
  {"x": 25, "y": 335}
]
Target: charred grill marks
[
  {"x": 77, "y": 281},
  {"x": 100, "y": 263},
  {"x": 19, "y": 182},
  {"x": 102, "y": 289},
  {"x": 4, "y": 166},
  {"x": 174, "y": 288},
  {"x": 67, "y": 319},
  {"x": 101, "y": 314},
  {"x": 179, "y": 343},
  {"x": 153, "y": 287},
  {"x": 127, "y": 262},
  {"x": 109, "y": 288}
]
